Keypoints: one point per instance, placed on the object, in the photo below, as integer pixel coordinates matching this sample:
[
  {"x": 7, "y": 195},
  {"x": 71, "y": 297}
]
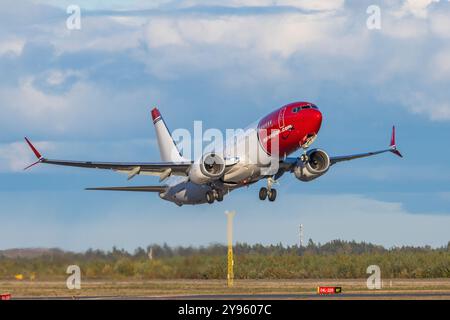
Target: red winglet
[
  {"x": 155, "y": 114},
  {"x": 393, "y": 144},
  {"x": 393, "y": 137},
  {"x": 36, "y": 153}
]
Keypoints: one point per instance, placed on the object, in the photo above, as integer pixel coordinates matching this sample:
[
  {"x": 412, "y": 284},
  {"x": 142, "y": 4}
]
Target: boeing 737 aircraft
[{"x": 215, "y": 174}]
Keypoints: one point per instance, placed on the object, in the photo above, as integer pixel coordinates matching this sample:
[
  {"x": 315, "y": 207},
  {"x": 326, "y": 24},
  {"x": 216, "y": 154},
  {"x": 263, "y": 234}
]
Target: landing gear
[
  {"x": 219, "y": 195},
  {"x": 210, "y": 197},
  {"x": 269, "y": 192},
  {"x": 304, "y": 158},
  {"x": 272, "y": 195},
  {"x": 214, "y": 195},
  {"x": 263, "y": 194}
]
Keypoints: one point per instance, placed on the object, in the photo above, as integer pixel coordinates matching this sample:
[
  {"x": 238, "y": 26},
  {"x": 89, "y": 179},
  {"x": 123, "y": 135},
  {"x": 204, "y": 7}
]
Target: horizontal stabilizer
[{"x": 135, "y": 189}]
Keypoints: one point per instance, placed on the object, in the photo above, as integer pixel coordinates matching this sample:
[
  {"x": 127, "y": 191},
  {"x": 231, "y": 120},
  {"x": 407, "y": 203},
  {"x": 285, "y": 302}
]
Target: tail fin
[{"x": 167, "y": 147}]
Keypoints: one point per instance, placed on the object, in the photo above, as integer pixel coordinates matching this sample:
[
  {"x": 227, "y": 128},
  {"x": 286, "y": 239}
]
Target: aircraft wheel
[
  {"x": 272, "y": 195},
  {"x": 263, "y": 194},
  {"x": 219, "y": 195},
  {"x": 210, "y": 197}
]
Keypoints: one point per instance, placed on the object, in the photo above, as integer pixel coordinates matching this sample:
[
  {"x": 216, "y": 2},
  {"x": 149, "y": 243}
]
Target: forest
[{"x": 333, "y": 260}]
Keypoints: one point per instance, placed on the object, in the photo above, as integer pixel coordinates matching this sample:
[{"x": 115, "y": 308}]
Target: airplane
[{"x": 214, "y": 175}]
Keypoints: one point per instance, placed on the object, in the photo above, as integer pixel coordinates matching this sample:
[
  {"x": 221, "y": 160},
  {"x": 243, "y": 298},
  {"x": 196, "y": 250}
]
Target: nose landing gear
[
  {"x": 269, "y": 192},
  {"x": 264, "y": 194}
]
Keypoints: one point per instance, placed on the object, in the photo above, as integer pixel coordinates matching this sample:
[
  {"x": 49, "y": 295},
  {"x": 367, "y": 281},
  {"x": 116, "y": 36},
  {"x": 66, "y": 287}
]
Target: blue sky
[{"x": 86, "y": 94}]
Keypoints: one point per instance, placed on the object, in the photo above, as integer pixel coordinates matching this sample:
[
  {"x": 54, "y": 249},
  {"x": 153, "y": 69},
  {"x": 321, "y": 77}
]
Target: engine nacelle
[
  {"x": 317, "y": 164},
  {"x": 211, "y": 167}
]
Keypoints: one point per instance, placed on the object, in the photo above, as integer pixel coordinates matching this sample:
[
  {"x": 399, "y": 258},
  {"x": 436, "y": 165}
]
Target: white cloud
[
  {"x": 260, "y": 47},
  {"x": 14, "y": 157},
  {"x": 439, "y": 111},
  {"x": 58, "y": 77},
  {"x": 11, "y": 46},
  {"x": 106, "y": 5},
  {"x": 84, "y": 109},
  {"x": 257, "y": 47},
  {"x": 30, "y": 103},
  {"x": 301, "y": 4},
  {"x": 162, "y": 32},
  {"x": 280, "y": 34},
  {"x": 98, "y": 33},
  {"x": 404, "y": 27},
  {"x": 418, "y": 8},
  {"x": 154, "y": 4},
  {"x": 440, "y": 24},
  {"x": 313, "y": 5},
  {"x": 130, "y": 21},
  {"x": 440, "y": 65},
  {"x": 422, "y": 103}
]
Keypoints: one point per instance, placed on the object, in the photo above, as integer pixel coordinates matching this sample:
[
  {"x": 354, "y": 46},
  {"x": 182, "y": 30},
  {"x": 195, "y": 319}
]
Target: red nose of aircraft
[
  {"x": 310, "y": 120},
  {"x": 316, "y": 119}
]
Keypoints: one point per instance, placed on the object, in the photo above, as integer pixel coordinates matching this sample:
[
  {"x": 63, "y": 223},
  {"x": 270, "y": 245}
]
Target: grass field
[{"x": 171, "y": 288}]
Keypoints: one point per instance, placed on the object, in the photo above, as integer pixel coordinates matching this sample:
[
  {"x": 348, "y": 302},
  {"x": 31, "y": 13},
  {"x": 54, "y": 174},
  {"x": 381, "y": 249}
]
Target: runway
[
  {"x": 179, "y": 289},
  {"x": 349, "y": 296}
]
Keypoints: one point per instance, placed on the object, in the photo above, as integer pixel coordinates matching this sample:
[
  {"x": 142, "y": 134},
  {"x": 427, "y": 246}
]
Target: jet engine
[
  {"x": 211, "y": 167},
  {"x": 316, "y": 163}
]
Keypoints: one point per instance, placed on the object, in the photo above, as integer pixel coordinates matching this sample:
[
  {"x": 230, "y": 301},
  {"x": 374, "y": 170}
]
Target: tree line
[{"x": 335, "y": 259}]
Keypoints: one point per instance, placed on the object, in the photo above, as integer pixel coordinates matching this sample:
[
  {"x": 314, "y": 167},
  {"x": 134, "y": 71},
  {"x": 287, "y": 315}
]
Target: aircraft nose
[{"x": 315, "y": 120}]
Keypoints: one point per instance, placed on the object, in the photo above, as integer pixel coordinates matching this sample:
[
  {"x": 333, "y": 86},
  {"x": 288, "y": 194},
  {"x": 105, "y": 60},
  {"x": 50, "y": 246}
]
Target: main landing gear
[
  {"x": 269, "y": 192},
  {"x": 214, "y": 195}
]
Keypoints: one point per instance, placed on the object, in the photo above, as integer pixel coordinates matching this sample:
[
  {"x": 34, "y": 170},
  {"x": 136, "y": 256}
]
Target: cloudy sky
[{"x": 86, "y": 95}]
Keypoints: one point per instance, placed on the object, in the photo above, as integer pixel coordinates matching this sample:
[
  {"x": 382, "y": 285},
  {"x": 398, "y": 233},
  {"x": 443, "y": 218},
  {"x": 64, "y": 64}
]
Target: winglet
[
  {"x": 36, "y": 153},
  {"x": 393, "y": 144}
]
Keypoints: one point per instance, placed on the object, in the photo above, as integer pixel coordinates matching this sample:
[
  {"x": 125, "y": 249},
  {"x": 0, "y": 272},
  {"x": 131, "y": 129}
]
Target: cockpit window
[{"x": 308, "y": 106}]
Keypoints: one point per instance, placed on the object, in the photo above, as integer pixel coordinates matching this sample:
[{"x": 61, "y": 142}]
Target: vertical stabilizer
[{"x": 167, "y": 147}]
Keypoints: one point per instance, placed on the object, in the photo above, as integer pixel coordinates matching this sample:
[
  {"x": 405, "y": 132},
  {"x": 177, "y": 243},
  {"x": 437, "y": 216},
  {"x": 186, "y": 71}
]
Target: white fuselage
[{"x": 245, "y": 149}]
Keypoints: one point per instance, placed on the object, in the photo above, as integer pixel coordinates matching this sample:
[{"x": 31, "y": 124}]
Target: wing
[
  {"x": 392, "y": 148},
  {"x": 136, "y": 189},
  {"x": 161, "y": 169},
  {"x": 289, "y": 163}
]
